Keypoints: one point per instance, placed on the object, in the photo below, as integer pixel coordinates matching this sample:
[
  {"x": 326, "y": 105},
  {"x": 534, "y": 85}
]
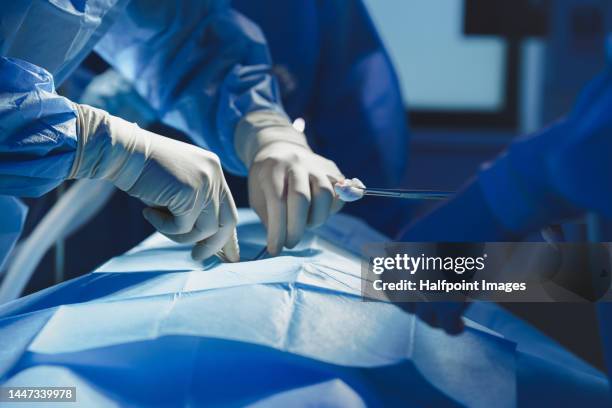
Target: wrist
[
  {"x": 260, "y": 129},
  {"x": 107, "y": 147}
]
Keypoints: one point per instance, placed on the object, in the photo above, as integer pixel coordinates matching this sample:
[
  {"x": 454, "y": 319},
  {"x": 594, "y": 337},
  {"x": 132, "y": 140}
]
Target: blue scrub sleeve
[
  {"x": 466, "y": 217},
  {"x": 510, "y": 198},
  {"x": 581, "y": 167},
  {"x": 201, "y": 66},
  {"x": 37, "y": 130}
]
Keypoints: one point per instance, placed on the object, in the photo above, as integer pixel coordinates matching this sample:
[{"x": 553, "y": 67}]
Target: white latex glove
[
  {"x": 290, "y": 187},
  {"x": 182, "y": 184}
]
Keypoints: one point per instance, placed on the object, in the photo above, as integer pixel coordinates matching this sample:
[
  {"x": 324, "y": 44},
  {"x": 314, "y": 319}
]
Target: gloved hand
[
  {"x": 183, "y": 185},
  {"x": 290, "y": 187}
]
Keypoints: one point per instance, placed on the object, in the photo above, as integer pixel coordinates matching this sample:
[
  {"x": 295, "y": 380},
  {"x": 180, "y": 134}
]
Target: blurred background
[
  {"x": 473, "y": 74},
  {"x": 476, "y": 73}
]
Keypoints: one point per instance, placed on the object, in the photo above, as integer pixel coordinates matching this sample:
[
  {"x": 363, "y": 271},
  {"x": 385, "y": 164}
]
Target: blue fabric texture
[
  {"x": 466, "y": 217},
  {"x": 201, "y": 65},
  {"x": 560, "y": 171},
  {"x": 55, "y": 34},
  {"x": 154, "y": 327},
  {"x": 581, "y": 166},
  {"x": 38, "y": 138}
]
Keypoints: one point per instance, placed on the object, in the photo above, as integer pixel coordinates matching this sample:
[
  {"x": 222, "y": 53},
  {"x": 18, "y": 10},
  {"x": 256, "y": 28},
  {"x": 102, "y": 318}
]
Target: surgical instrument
[{"x": 407, "y": 194}]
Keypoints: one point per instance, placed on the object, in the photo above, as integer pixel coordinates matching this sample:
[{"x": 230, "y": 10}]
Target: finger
[
  {"x": 298, "y": 203},
  {"x": 337, "y": 205},
  {"x": 333, "y": 173},
  {"x": 205, "y": 226},
  {"x": 257, "y": 200},
  {"x": 276, "y": 210},
  {"x": 167, "y": 223},
  {"x": 231, "y": 249},
  {"x": 322, "y": 198},
  {"x": 210, "y": 246},
  {"x": 228, "y": 217},
  {"x": 334, "y": 176}
]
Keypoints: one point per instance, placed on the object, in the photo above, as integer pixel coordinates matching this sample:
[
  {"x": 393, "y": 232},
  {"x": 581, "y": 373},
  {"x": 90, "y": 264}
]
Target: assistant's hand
[
  {"x": 183, "y": 185},
  {"x": 290, "y": 187},
  {"x": 188, "y": 197}
]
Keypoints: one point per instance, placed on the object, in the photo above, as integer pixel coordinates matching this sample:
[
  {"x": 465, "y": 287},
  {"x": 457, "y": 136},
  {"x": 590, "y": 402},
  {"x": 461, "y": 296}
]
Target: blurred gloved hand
[
  {"x": 183, "y": 185},
  {"x": 290, "y": 187}
]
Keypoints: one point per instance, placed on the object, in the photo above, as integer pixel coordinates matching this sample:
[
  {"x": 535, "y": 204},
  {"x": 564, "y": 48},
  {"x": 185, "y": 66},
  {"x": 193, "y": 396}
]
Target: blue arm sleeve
[
  {"x": 201, "y": 66},
  {"x": 510, "y": 198},
  {"x": 37, "y": 130},
  {"x": 464, "y": 218}
]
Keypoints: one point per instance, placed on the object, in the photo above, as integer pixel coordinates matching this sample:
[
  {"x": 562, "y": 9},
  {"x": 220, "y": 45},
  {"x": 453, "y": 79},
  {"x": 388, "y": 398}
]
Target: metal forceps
[{"x": 408, "y": 194}]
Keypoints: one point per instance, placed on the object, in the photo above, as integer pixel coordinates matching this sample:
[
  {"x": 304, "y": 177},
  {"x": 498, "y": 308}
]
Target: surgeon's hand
[
  {"x": 183, "y": 185},
  {"x": 290, "y": 187}
]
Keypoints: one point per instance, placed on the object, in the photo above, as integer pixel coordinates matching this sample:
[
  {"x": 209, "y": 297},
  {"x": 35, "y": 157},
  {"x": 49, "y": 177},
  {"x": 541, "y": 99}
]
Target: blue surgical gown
[
  {"x": 334, "y": 71},
  {"x": 200, "y": 64},
  {"x": 558, "y": 173}
]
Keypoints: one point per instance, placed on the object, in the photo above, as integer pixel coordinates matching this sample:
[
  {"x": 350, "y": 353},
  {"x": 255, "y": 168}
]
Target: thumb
[{"x": 337, "y": 204}]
